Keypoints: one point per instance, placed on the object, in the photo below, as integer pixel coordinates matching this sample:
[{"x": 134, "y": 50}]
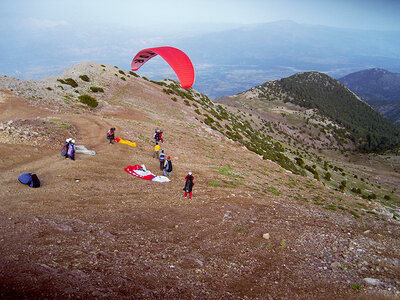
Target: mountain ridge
[{"x": 96, "y": 231}]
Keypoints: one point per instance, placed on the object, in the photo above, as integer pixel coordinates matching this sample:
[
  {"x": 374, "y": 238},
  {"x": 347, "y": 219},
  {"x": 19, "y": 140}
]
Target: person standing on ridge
[
  {"x": 189, "y": 185},
  {"x": 160, "y": 132},
  {"x": 156, "y": 150},
  {"x": 168, "y": 167},
  {"x": 110, "y": 135},
  {"x": 162, "y": 159},
  {"x": 155, "y": 135},
  {"x": 64, "y": 149},
  {"x": 71, "y": 150}
]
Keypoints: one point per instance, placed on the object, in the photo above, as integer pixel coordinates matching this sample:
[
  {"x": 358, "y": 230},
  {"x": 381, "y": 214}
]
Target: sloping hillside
[
  {"x": 379, "y": 88},
  {"x": 321, "y": 125},
  {"x": 252, "y": 229},
  {"x": 374, "y": 84}
]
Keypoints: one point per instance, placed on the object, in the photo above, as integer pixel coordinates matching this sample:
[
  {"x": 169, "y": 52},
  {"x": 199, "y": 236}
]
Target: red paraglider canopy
[{"x": 176, "y": 58}]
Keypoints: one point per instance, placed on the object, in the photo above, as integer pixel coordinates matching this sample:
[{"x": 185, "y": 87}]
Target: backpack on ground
[{"x": 30, "y": 179}]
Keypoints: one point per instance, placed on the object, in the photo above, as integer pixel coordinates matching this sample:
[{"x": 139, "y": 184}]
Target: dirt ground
[{"x": 94, "y": 231}]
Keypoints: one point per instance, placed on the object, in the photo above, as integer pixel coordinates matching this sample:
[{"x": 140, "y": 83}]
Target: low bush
[
  {"x": 96, "y": 89},
  {"x": 71, "y": 82},
  {"x": 134, "y": 74},
  {"x": 84, "y": 78},
  {"x": 88, "y": 100}
]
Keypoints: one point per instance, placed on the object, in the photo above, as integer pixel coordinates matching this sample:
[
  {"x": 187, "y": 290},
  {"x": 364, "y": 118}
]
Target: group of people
[
  {"x": 69, "y": 148},
  {"x": 166, "y": 163}
]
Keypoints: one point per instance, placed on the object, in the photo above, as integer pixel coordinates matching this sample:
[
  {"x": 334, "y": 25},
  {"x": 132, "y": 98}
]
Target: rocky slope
[{"x": 252, "y": 230}]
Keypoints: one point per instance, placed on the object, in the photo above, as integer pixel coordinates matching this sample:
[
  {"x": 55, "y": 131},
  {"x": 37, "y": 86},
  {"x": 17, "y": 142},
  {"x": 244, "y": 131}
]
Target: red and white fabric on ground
[{"x": 141, "y": 172}]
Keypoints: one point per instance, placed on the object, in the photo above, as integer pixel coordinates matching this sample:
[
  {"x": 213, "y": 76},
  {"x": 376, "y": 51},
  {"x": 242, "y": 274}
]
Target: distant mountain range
[
  {"x": 379, "y": 88},
  {"x": 227, "y": 61}
]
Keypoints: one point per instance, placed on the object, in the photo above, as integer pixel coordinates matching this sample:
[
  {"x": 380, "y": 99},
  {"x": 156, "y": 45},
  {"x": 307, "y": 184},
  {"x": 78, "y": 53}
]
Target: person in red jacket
[{"x": 189, "y": 185}]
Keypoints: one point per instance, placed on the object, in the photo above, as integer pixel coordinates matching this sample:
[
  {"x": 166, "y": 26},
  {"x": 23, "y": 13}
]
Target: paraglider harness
[
  {"x": 30, "y": 179},
  {"x": 157, "y": 136},
  {"x": 189, "y": 184},
  {"x": 64, "y": 149},
  {"x": 168, "y": 167}
]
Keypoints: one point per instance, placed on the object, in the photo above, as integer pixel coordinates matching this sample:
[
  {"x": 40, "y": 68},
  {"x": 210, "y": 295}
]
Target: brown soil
[{"x": 94, "y": 231}]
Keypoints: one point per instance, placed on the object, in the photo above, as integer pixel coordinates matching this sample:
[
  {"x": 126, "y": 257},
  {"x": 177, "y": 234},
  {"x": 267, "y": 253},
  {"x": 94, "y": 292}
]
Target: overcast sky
[{"x": 362, "y": 14}]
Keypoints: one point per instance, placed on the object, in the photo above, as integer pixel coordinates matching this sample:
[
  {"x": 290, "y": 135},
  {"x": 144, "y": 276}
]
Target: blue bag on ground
[{"x": 31, "y": 179}]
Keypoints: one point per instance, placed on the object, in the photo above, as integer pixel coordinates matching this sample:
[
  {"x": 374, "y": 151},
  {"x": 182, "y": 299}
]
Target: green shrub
[
  {"x": 88, "y": 100},
  {"x": 174, "y": 99},
  {"x": 356, "y": 287},
  {"x": 71, "y": 82},
  {"x": 49, "y": 88},
  {"x": 121, "y": 72},
  {"x": 186, "y": 102},
  {"x": 343, "y": 185},
  {"x": 299, "y": 161},
  {"x": 96, "y": 89},
  {"x": 134, "y": 74},
  {"x": 354, "y": 214},
  {"x": 123, "y": 78},
  {"x": 84, "y": 78},
  {"x": 328, "y": 176}
]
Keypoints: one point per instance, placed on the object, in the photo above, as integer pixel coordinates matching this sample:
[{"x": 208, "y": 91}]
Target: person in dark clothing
[
  {"x": 162, "y": 159},
  {"x": 168, "y": 167},
  {"x": 189, "y": 185},
  {"x": 71, "y": 150},
  {"x": 110, "y": 135},
  {"x": 64, "y": 150}
]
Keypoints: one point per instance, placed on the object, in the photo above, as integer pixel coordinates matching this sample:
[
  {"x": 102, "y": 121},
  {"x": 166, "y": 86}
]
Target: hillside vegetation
[
  {"x": 283, "y": 206},
  {"x": 318, "y": 91},
  {"x": 379, "y": 88}
]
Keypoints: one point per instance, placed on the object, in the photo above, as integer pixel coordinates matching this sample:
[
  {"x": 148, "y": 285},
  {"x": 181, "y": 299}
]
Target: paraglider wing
[{"x": 176, "y": 58}]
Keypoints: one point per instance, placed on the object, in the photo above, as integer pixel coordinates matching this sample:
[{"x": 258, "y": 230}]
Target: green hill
[{"x": 367, "y": 128}]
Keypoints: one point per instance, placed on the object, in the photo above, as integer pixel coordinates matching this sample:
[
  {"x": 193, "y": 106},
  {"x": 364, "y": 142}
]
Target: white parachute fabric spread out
[
  {"x": 84, "y": 150},
  {"x": 142, "y": 172}
]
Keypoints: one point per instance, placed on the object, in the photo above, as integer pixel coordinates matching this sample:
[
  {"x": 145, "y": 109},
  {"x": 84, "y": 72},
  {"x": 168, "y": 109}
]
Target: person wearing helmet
[
  {"x": 71, "y": 150},
  {"x": 189, "y": 185},
  {"x": 64, "y": 149}
]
